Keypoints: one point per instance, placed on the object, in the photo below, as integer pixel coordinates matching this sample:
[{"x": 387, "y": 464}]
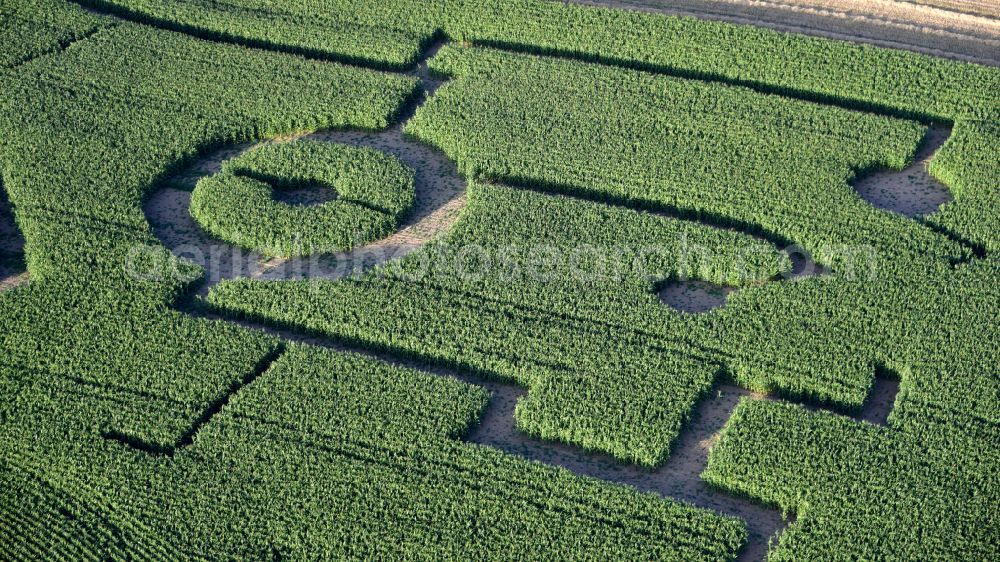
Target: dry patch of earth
[{"x": 913, "y": 191}]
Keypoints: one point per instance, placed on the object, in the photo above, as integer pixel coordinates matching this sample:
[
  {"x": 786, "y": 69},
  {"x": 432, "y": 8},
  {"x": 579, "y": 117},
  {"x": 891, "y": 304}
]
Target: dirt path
[
  {"x": 12, "y": 271},
  {"x": 679, "y": 478},
  {"x": 696, "y": 297},
  {"x": 913, "y": 191},
  {"x": 957, "y": 29},
  {"x": 440, "y": 197}
]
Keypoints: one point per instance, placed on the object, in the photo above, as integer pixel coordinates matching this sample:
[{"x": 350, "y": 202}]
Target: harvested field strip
[
  {"x": 930, "y": 28},
  {"x": 984, "y": 8}
]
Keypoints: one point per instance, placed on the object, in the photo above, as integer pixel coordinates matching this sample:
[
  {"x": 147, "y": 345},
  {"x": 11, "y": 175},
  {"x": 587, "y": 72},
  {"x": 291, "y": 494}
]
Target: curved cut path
[
  {"x": 912, "y": 192},
  {"x": 440, "y": 197},
  {"x": 696, "y": 297},
  {"x": 12, "y": 271},
  {"x": 967, "y": 30}
]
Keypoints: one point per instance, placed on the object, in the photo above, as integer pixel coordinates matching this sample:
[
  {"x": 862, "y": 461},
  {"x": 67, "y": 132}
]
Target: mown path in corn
[{"x": 440, "y": 197}]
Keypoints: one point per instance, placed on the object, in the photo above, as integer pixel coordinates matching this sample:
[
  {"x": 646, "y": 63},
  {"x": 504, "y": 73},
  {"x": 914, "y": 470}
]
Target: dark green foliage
[
  {"x": 734, "y": 157},
  {"x": 588, "y": 386},
  {"x": 355, "y": 31},
  {"x": 174, "y": 366},
  {"x": 387, "y": 33},
  {"x": 46, "y": 523},
  {"x": 548, "y": 324},
  {"x": 969, "y": 164},
  {"x": 329, "y": 455}
]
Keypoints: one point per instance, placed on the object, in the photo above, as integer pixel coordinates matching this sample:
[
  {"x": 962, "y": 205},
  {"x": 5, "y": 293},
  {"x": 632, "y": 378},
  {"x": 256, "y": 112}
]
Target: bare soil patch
[
  {"x": 880, "y": 401},
  {"x": 913, "y": 191},
  {"x": 11, "y": 276},
  {"x": 966, "y": 30},
  {"x": 694, "y": 297},
  {"x": 11, "y": 241},
  {"x": 440, "y": 197}
]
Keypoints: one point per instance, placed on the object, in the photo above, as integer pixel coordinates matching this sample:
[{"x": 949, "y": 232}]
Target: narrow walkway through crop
[
  {"x": 679, "y": 478},
  {"x": 881, "y": 399},
  {"x": 912, "y": 192},
  {"x": 58, "y": 48},
  {"x": 12, "y": 268},
  {"x": 696, "y": 297},
  {"x": 440, "y": 197},
  {"x": 186, "y": 439}
]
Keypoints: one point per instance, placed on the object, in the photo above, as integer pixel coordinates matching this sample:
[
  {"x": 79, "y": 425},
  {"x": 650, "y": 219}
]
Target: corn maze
[{"x": 497, "y": 280}]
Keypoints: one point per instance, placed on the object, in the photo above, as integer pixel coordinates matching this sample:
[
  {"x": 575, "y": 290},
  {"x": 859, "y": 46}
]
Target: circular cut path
[{"x": 440, "y": 197}]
